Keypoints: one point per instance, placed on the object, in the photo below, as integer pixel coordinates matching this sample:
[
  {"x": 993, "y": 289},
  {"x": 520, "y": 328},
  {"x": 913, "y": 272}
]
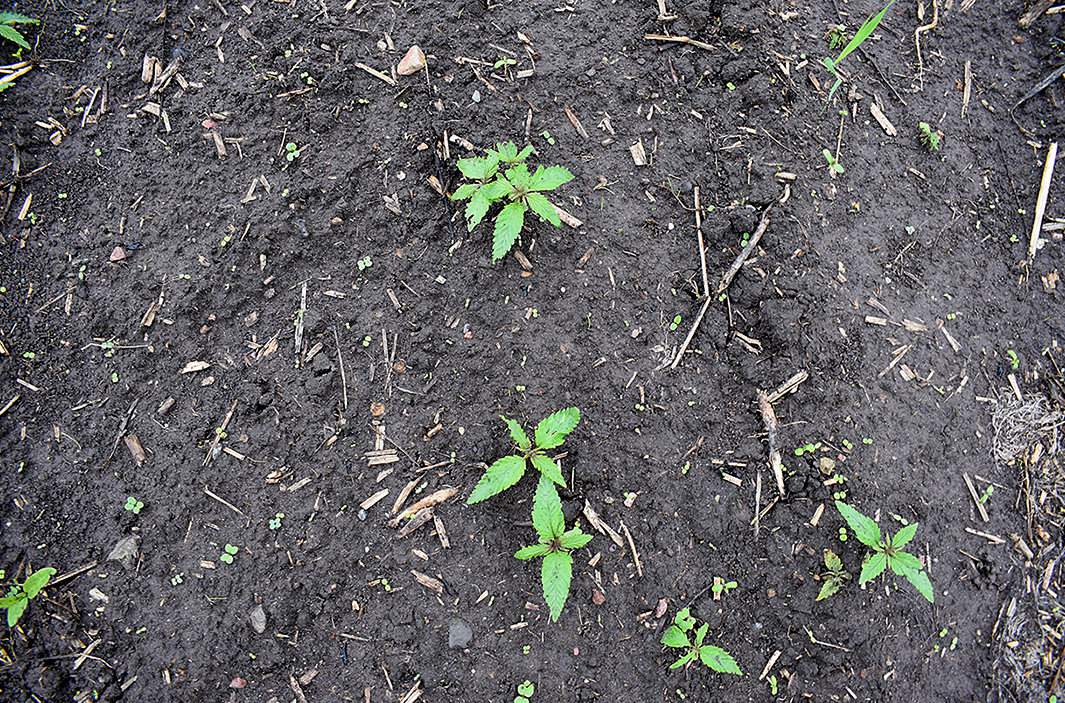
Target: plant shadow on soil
[{"x": 925, "y": 236}]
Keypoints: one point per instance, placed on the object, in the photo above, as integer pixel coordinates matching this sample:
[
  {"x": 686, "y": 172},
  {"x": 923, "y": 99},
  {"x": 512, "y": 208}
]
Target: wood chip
[
  {"x": 428, "y": 581},
  {"x": 135, "y": 449},
  {"x": 882, "y": 119},
  {"x": 374, "y": 499}
]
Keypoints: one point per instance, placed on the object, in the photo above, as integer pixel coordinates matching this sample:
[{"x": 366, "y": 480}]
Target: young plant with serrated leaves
[
  {"x": 502, "y": 177},
  {"x": 550, "y": 433},
  {"x": 8, "y": 23},
  {"x": 931, "y": 138},
  {"x": 834, "y": 577},
  {"x": 863, "y": 33},
  {"x": 679, "y": 636},
  {"x": 20, "y": 594},
  {"x": 887, "y": 551},
  {"x": 554, "y": 547}
]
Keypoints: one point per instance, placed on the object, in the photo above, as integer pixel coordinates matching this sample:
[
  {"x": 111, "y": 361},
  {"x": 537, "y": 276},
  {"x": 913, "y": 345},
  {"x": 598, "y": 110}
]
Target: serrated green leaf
[
  {"x": 683, "y": 619},
  {"x": 16, "y": 18},
  {"x": 553, "y": 429},
  {"x": 518, "y": 434},
  {"x": 676, "y": 638},
  {"x": 683, "y": 660},
  {"x": 37, "y": 580},
  {"x": 505, "y": 151},
  {"x": 902, "y": 562},
  {"x": 509, "y": 222},
  {"x": 700, "y": 634},
  {"x": 543, "y": 207},
  {"x": 873, "y": 567},
  {"x": 829, "y": 588},
  {"x": 464, "y": 192},
  {"x": 904, "y": 536},
  {"x": 556, "y": 572},
  {"x": 921, "y": 582},
  {"x": 719, "y": 660},
  {"x": 549, "y": 467},
  {"x": 832, "y": 561},
  {"x": 532, "y": 551},
  {"x": 574, "y": 539},
  {"x": 500, "y": 476},
  {"x": 11, "y": 34},
  {"x": 524, "y": 153},
  {"x": 476, "y": 209},
  {"x": 15, "y": 611},
  {"x": 478, "y": 168},
  {"x": 497, "y": 189},
  {"x": 865, "y": 528},
  {"x": 518, "y": 175},
  {"x": 550, "y": 178},
  {"x": 547, "y": 517}
]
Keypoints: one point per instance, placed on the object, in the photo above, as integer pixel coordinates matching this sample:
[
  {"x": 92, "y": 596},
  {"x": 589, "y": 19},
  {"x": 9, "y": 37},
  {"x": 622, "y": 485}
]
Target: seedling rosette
[
  {"x": 20, "y": 594},
  {"x": 679, "y": 636},
  {"x": 887, "y": 551}
]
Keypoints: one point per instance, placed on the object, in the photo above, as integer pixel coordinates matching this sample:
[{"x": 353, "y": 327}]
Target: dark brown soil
[{"x": 930, "y": 237}]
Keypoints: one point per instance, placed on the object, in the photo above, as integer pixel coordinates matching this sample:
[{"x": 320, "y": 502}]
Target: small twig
[
  {"x": 340, "y": 360},
  {"x": 223, "y": 501},
  {"x": 769, "y": 418},
  {"x": 975, "y": 496},
  {"x": 917, "y": 38},
  {"x": 632, "y": 546},
  {"x": 702, "y": 245},
  {"x": 1041, "y": 200},
  {"x": 679, "y": 40},
  {"x": 217, "y": 434}
]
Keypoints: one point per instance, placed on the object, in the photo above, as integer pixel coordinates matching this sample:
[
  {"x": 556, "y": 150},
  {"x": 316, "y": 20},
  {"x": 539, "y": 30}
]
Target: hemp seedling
[
  {"x": 229, "y": 551},
  {"x": 554, "y": 547},
  {"x": 505, "y": 472},
  {"x": 20, "y": 594},
  {"x": 887, "y": 551},
  {"x": 711, "y": 656},
  {"x": 932, "y": 139},
  {"x": 517, "y": 187},
  {"x": 863, "y": 33},
  {"x": 832, "y": 580},
  {"x": 133, "y": 505},
  {"x": 8, "y": 20}
]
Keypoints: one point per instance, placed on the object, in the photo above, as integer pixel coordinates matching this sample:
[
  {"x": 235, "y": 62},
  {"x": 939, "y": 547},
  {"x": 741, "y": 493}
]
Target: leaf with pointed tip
[
  {"x": 478, "y": 168},
  {"x": 15, "y": 611},
  {"x": 10, "y": 33},
  {"x": 832, "y": 561},
  {"x": 872, "y": 568},
  {"x": 550, "y": 178},
  {"x": 37, "y": 580},
  {"x": 16, "y": 18},
  {"x": 867, "y": 28},
  {"x": 533, "y": 551},
  {"x": 901, "y": 562},
  {"x": 549, "y": 467},
  {"x": 509, "y": 222},
  {"x": 904, "y": 536},
  {"x": 518, "y": 434},
  {"x": 829, "y": 588},
  {"x": 865, "y": 528},
  {"x": 543, "y": 207},
  {"x": 676, "y": 638},
  {"x": 553, "y": 429},
  {"x": 700, "y": 634},
  {"x": 719, "y": 660},
  {"x": 684, "y": 659},
  {"x": 505, "y": 151},
  {"x": 476, "y": 209},
  {"x": 464, "y": 192},
  {"x": 500, "y": 476},
  {"x": 921, "y": 582},
  {"x": 556, "y": 572},
  {"x": 497, "y": 189},
  {"x": 547, "y": 517},
  {"x": 574, "y": 539},
  {"x": 518, "y": 175}
]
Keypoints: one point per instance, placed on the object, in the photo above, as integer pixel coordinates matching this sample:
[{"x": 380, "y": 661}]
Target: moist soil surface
[{"x": 899, "y": 287}]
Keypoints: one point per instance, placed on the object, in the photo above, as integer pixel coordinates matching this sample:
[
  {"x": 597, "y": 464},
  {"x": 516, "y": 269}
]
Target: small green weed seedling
[
  {"x": 834, "y": 166},
  {"x": 677, "y": 637},
  {"x": 526, "y": 689},
  {"x": 8, "y": 23},
  {"x": 292, "y": 152},
  {"x": 931, "y": 138},
  {"x": 505, "y": 472},
  {"x": 554, "y": 547},
  {"x": 834, "y": 577},
  {"x": 133, "y": 505},
  {"x": 228, "y": 552},
  {"x": 364, "y": 263},
  {"x": 275, "y": 521},
  {"x": 20, "y": 594},
  {"x": 722, "y": 586},
  {"x": 519, "y": 189},
  {"x": 836, "y": 36},
  {"x": 863, "y": 33},
  {"x": 887, "y": 551}
]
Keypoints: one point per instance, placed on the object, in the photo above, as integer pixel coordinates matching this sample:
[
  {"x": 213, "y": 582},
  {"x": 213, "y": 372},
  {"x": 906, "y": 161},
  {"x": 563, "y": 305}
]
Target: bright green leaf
[
  {"x": 15, "y": 610},
  {"x": 719, "y": 660},
  {"x": 543, "y": 207},
  {"x": 16, "y": 18},
  {"x": 684, "y": 620},
  {"x": 830, "y": 587},
  {"x": 700, "y": 634},
  {"x": 556, "y": 572},
  {"x": 574, "y": 539},
  {"x": 524, "y": 153},
  {"x": 499, "y": 188},
  {"x": 873, "y": 567},
  {"x": 676, "y": 638},
  {"x": 683, "y": 661},
  {"x": 549, "y": 178},
  {"x": 500, "y": 476},
  {"x": 547, "y": 517},
  {"x": 476, "y": 209},
  {"x": 12, "y": 34},
  {"x": 532, "y": 551},
  {"x": 505, "y": 151},
  {"x": 549, "y": 467},
  {"x": 867, "y": 28},
  {"x": 921, "y": 582},
  {"x": 865, "y": 528},
  {"x": 509, "y": 222},
  {"x": 464, "y": 192},
  {"x": 518, "y": 175},
  {"x": 37, "y": 580},
  {"x": 478, "y": 168},
  {"x": 553, "y": 429},
  {"x": 518, "y": 434},
  {"x": 904, "y": 536},
  {"x": 832, "y": 561},
  {"x": 901, "y": 562}
]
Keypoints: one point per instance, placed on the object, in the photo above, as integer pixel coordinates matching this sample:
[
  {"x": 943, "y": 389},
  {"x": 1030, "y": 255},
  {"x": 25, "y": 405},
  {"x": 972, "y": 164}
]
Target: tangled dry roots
[{"x": 1018, "y": 424}]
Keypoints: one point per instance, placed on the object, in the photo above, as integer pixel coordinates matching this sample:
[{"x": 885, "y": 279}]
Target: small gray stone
[
  {"x": 125, "y": 551},
  {"x": 459, "y": 634},
  {"x": 258, "y": 619}
]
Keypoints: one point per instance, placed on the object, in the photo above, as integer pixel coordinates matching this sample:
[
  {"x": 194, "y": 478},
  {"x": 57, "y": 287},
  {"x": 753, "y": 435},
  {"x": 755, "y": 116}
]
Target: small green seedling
[
  {"x": 519, "y": 189},
  {"x": 836, "y": 36},
  {"x": 8, "y": 22},
  {"x": 834, "y": 166},
  {"x": 985, "y": 496},
  {"x": 932, "y": 139},
  {"x": 364, "y": 263},
  {"x": 834, "y": 577},
  {"x": 133, "y": 505},
  {"x": 505, "y": 472},
  {"x": 177, "y": 579},
  {"x": 677, "y": 637},
  {"x": 1015, "y": 361},
  {"x": 863, "y": 33},
  {"x": 887, "y": 551},
  {"x": 20, "y": 594},
  {"x": 554, "y": 547},
  {"x": 292, "y": 152},
  {"x": 526, "y": 689},
  {"x": 722, "y": 586},
  {"x": 275, "y": 521},
  {"x": 677, "y": 319},
  {"x": 229, "y": 551}
]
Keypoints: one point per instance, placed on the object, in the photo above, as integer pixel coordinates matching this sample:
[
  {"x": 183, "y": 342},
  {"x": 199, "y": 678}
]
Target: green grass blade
[{"x": 867, "y": 28}]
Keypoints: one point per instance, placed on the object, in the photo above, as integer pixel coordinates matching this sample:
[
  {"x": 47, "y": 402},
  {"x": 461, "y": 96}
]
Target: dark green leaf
[
  {"x": 556, "y": 572},
  {"x": 509, "y": 222},
  {"x": 575, "y": 539},
  {"x": 554, "y": 428},
  {"x": 12, "y": 34},
  {"x": 865, "y": 529},
  {"x": 549, "y": 467},
  {"x": 500, "y": 476},
  {"x": 37, "y": 580},
  {"x": 676, "y": 638},
  {"x": 518, "y": 434},
  {"x": 543, "y": 207},
  {"x": 547, "y": 517},
  {"x": 532, "y": 551},
  {"x": 550, "y": 178},
  {"x": 904, "y": 536},
  {"x": 873, "y": 567},
  {"x": 719, "y": 660},
  {"x": 902, "y": 562}
]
